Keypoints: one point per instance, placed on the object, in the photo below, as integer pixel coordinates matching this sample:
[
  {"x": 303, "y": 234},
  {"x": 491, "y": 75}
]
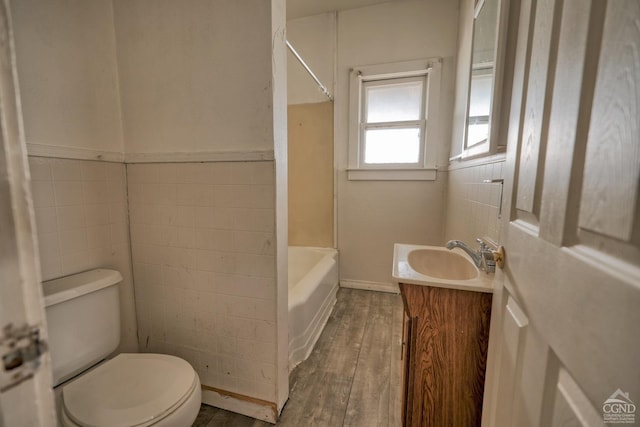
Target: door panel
[
  {"x": 565, "y": 156},
  {"x": 535, "y": 116},
  {"x": 514, "y": 327},
  {"x": 537, "y": 376},
  {"x": 571, "y": 407},
  {"x": 572, "y": 220},
  {"x": 612, "y": 166}
]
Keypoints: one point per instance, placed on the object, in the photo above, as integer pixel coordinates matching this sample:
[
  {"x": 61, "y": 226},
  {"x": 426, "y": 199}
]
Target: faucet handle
[{"x": 483, "y": 245}]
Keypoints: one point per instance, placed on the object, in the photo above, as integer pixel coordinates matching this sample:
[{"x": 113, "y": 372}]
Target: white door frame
[{"x": 30, "y": 403}]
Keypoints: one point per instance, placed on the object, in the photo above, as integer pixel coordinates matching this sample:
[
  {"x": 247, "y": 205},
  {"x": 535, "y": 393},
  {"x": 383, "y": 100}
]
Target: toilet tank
[{"x": 83, "y": 320}]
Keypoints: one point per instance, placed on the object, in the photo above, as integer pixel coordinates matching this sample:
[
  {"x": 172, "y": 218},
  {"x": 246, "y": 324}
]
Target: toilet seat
[{"x": 130, "y": 390}]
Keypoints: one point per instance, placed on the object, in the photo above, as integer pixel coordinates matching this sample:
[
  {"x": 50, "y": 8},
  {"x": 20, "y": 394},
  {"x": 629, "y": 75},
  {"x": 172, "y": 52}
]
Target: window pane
[
  {"x": 392, "y": 146},
  {"x": 394, "y": 102}
]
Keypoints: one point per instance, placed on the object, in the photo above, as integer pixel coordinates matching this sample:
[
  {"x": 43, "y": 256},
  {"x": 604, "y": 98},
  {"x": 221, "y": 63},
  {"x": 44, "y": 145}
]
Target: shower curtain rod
[{"x": 323, "y": 88}]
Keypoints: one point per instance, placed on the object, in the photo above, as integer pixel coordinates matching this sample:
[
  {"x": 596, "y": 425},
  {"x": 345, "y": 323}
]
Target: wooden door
[
  {"x": 565, "y": 333},
  {"x": 26, "y": 398}
]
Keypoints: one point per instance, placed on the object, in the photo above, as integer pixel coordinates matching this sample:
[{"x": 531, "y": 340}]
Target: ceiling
[{"x": 300, "y": 8}]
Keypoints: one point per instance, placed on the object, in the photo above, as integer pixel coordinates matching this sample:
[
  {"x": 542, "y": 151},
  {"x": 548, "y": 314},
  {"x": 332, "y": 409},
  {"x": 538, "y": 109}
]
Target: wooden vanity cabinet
[{"x": 445, "y": 339}]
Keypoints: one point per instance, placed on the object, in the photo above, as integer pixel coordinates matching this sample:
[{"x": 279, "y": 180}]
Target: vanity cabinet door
[
  {"x": 407, "y": 395},
  {"x": 447, "y": 333}
]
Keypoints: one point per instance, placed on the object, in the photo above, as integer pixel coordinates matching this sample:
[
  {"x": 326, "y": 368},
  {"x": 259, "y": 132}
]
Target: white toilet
[{"x": 83, "y": 316}]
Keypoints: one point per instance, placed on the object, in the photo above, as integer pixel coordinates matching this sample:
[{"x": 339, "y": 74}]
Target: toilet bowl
[{"x": 127, "y": 390}]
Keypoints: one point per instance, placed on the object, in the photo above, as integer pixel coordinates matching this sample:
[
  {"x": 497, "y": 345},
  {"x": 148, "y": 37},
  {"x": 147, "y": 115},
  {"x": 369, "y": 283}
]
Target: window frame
[
  {"x": 419, "y": 123},
  {"x": 428, "y": 123}
]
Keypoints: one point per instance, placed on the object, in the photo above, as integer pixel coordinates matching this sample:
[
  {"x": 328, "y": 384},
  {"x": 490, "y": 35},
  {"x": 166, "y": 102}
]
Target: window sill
[{"x": 391, "y": 174}]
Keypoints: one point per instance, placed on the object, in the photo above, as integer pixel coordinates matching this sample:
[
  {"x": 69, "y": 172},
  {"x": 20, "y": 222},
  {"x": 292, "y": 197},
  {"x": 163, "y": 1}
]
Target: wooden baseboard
[
  {"x": 370, "y": 286},
  {"x": 239, "y": 403}
]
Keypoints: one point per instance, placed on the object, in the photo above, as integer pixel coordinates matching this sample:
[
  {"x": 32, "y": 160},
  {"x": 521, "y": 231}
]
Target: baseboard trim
[
  {"x": 370, "y": 286},
  {"x": 239, "y": 403}
]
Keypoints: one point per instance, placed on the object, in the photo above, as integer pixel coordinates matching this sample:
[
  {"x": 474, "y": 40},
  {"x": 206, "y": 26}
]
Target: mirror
[{"x": 481, "y": 85}]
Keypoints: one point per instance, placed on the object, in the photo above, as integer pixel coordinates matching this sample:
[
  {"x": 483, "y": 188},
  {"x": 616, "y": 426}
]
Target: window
[{"x": 391, "y": 127}]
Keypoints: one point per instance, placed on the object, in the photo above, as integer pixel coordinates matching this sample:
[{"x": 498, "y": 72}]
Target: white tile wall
[
  {"x": 81, "y": 222},
  {"x": 204, "y": 265},
  {"x": 473, "y": 205}
]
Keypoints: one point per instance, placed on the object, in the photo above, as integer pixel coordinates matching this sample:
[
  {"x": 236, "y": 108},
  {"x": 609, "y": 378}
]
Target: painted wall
[
  {"x": 65, "y": 51},
  {"x": 67, "y": 73},
  {"x": 82, "y": 223},
  {"x": 314, "y": 38},
  {"x": 311, "y": 174},
  {"x": 373, "y": 215},
  {"x": 195, "y": 78},
  {"x": 310, "y": 131},
  {"x": 209, "y": 77}
]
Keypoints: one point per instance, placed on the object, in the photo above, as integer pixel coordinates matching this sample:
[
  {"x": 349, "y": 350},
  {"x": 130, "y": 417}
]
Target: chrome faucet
[{"x": 483, "y": 258}]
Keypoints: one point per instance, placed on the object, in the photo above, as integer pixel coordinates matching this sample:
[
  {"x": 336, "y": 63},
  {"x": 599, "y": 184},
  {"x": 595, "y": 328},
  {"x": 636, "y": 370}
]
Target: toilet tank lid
[{"x": 69, "y": 287}]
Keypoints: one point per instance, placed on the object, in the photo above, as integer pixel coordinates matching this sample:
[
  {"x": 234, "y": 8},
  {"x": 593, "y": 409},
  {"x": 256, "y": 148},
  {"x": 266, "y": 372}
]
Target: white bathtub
[{"x": 313, "y": 283}]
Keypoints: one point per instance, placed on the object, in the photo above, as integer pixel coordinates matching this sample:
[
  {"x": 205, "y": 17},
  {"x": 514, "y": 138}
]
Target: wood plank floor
[{"x": 352, "y": 377}]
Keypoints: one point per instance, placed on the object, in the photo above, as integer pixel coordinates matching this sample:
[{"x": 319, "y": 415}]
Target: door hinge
[{"x": 20, "y": 350}]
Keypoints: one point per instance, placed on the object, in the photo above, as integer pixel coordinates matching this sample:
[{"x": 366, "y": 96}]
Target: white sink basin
[
  {"x": 435, "y": 262},
  {"x": 438, "y": 266}
]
